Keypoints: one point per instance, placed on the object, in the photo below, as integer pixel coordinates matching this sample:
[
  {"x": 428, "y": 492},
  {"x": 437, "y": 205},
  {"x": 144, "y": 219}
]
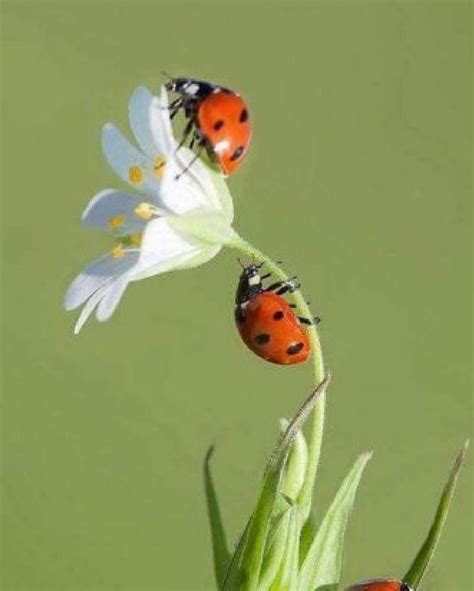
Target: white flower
[{"x": 181, "y": 219}]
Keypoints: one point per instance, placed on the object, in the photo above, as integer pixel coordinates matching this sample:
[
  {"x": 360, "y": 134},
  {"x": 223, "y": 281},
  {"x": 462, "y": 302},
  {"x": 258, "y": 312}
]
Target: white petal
[
  {"x": 160, "y": 123},
  {"x": 130, "y": 164},
  {"x": 189, "y": 187},
  {"x": 96, "y": 275},
  {"x": 111, "y": 206},
  {"x": 163, "y": 249},
  {"x": 89, "y": 307},
  {"x": 199, "y": 258},
  {"x": 224, "y": 196},
  {"x": 140, "y": 112},
  {"x": 111, "y": 299},
  {"x": 149, "y": 266},
  {"x": 162, "y": 240}
]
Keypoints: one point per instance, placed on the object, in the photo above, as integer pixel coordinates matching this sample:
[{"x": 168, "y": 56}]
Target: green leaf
[
  {"x": 244, "y": 573},
  {"x": 423, "y": 558},
  {"x": 323, "y": 562},
  {"x": 220, "y": 551},
  {"x": 308, "y": 532},
  {"x": 296, "y": 466},
  {"x": 274, "y": 549},
  {"x": 286, "y": 579}
]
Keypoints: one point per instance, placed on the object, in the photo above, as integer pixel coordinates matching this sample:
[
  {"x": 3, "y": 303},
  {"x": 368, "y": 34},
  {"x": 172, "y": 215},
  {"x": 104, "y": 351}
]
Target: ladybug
[
  {"x": 217, "y": 120},
  {"x": 267, "y": 322},
  {"x": 380, "y": 585}
]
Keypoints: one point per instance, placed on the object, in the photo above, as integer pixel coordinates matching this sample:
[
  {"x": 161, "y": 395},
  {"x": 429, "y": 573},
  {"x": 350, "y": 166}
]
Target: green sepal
[{"x": 208, "y": 226}]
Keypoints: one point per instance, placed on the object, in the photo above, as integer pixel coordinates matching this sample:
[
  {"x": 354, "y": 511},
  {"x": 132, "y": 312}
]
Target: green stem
[{"x": 316, "y": 436}]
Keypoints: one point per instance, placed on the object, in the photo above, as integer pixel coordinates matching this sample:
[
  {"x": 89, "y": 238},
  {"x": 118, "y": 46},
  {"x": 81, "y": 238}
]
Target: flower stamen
[
  {"x": 136, "y": 239},
  {"x": 117, "y": 251},
  {"x": 146, "y": 211},
  {"x": 116, "y": 221},
  {"x": 159, "y": 167},
  {"x": 135, "y": 175}
]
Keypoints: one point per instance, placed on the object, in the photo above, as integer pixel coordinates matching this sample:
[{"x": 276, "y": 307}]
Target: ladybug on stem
[
  {"x": 217, "y": 121},
  {"x": 380, "y": 585},
  {"x": 266, "y": 322}
]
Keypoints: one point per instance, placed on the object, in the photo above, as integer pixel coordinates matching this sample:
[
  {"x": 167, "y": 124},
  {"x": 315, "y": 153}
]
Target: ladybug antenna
[
  {"x": 240, "y": 263},
  {"x": 260, "y": 265},
  {"x": 166, "y": 75}
]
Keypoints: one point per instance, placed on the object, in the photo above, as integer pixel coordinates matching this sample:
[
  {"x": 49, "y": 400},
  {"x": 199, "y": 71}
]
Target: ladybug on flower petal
[
  {"x": 266, "y": 322},
  {"x": 380, "y": 585},
  {"x": 218, "y": 120}
]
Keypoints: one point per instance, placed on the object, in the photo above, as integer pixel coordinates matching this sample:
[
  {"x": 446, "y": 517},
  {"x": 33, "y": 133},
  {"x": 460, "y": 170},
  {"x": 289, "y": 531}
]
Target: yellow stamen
[
  {"x": 159, "y": 167},
  {"x": 116, "y": 221},
  {"x": 117, "y": 251},
  {"x": 135, "y": 239},
  {"x": 135, "y": 175},
  {"x": 145, "y": 211}
]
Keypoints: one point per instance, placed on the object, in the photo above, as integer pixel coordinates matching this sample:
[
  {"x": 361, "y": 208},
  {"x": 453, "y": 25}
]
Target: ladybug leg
[
  {"x": 308, "y": 321},
  {"x": 202, "y": 144},
  {"x": 174, "y": 105},
  {"x": 195, "y": 138},
  {"x": 282, "y": 287},
  {"x": 186, "y": 133},
  {"x": 266, "y": 276}
]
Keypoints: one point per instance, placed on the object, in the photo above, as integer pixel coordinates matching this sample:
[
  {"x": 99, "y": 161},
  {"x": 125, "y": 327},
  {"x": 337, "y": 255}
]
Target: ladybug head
[
  {"x": 250, "y": 282},
  {"x": 251, "y": 273}
]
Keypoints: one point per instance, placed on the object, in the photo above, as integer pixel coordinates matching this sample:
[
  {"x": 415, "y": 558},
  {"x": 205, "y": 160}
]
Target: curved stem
[{"x": 317, "y": 427}]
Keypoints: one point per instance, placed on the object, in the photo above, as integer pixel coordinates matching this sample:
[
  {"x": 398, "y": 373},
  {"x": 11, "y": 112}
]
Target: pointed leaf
[
  {"x": 423, "y": 558},
  {"x": 274, "y": 550},
  {"x": 323, "y": 562},
  {"x": 219, "y": 543},
  {"x": 296, "y": 466},
  {"x": 245, "y": 573},
  {"x": 308, "y": 531},
  {"x": 287, "y": 576}
]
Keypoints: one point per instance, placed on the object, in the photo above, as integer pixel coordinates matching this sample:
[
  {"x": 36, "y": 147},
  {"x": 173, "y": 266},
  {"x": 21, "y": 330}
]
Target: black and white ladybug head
[
  {"x": 252, "y": 273},
  {"x": 250, "y": 283},
  {"x": 189, "y": 87}
]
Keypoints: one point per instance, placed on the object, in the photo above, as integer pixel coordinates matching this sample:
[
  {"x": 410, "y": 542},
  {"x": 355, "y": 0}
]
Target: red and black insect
[
  {"x": 380, "y": 585},
  {"x": 217, "y": 120},
  {"x": 266, "y": 322}
]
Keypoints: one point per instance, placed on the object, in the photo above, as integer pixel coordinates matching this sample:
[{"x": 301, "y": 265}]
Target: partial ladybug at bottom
[
  {"x": 380, "y": 585},
  {"x": 266, "y": 322}
]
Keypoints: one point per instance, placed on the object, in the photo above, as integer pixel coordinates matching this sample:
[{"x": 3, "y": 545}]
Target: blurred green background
[{"x": 358, "y": 178}]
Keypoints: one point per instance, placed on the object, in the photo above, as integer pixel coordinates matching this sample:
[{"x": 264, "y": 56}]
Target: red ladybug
[
  {"x": 218, "y": 120},
  {"x": 267, "y": 322},
  {"x": 380, "y": 585}
]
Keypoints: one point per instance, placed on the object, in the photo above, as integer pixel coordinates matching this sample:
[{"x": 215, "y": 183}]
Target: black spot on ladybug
[
  {"x": 238, "y": 153},
  {"x": 262, "y": 339},
  {"x": 244, "y": 115},
  {"x": 218, "y": 125},
  {"x": 294, "y": 349},
  {"x": 279, "y": 314}
]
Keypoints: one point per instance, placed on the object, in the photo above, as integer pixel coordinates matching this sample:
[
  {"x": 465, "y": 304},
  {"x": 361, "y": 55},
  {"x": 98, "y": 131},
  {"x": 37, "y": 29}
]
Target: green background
[{"x": 358, "y": 178}]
